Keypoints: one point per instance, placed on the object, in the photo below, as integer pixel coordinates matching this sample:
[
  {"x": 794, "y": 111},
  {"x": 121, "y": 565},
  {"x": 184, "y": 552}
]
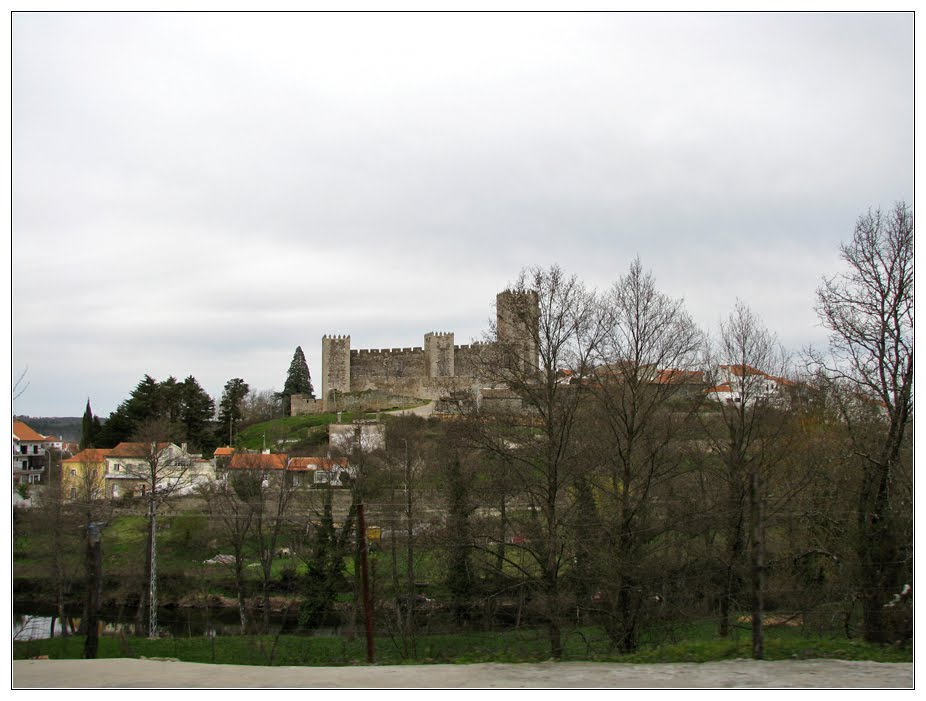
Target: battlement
[
  {"x": 427, "y": 371},
  {"x": 384, "y": 351}
]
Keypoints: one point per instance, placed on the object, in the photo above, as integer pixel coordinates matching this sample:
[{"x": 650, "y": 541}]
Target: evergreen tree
[
  {"x": 185, "y": 406},
  {"x": 230, "y": 408},
  {"x": 89, "y": 429},
  {"x": 298, "y": 380},
  {"x": 196, "y": 411}
]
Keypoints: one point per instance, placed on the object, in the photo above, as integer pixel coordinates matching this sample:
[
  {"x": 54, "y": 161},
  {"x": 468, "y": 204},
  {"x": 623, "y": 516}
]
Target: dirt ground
[{"x": 749, "y": 674}]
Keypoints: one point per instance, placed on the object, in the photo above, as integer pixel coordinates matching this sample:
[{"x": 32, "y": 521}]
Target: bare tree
[
  {"x": 21, "y": 384},
  {"x": 270, "y": 501},
  {"x": 869, "y": 312},
  {"x": 230, "y": 503},
  {"x": 53, "y": 516},
  {"x": 162, "y": 471},
  {"x": 86, "y": 491},
  {"x": 647, "y": 358},
  {"x": 746, "y": 435},
  {"x": 546, "y": 332}
]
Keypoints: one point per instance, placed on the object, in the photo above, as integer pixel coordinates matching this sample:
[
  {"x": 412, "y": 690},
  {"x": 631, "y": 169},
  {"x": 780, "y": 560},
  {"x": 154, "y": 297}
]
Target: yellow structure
[{"x": 82, "y": 476}]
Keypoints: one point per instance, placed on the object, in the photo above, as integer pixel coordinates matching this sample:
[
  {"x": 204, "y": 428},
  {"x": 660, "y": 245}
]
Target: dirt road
[{"x": 144, "y": 674}]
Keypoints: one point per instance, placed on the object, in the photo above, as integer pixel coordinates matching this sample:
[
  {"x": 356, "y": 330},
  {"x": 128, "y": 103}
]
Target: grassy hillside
[{"x": 291, "y": 433}]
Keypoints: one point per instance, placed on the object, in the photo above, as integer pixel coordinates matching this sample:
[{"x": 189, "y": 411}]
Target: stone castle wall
[{"x": 434, "y": 370}]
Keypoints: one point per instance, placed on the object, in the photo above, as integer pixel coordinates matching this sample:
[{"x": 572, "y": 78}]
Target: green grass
[
  {"x": 293, "y": 430},
  {"x": 524, "y": 645}
]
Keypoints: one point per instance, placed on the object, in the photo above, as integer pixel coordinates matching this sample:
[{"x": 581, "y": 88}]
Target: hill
[{"x": 68, "y": 427}]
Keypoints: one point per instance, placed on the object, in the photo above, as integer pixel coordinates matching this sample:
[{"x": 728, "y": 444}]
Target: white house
[{"x": 129, "y": 466}]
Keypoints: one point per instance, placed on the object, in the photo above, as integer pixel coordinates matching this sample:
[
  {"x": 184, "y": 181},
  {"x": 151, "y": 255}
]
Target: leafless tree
[
  {"x": 270, "y": 506},
  {"x": 163, "y": 471},
  {"x": 21, "y": 384},
  {"x": 51, "y": 514},
  {"x": 229, "y": 502},
  {"x": 557, "y": 328},
  {"x": 648, "y": 357},
  {"x": 86, "y": 499},
  {"x": 746, "y": 435},
  {"x": 868, "y": 310}
]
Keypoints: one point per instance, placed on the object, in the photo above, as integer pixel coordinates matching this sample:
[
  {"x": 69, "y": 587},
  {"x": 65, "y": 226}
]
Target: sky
[{"x": 199, "y": 193}]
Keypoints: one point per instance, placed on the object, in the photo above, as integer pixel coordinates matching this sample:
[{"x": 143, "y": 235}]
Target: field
[{"x": 697, "y": 643}]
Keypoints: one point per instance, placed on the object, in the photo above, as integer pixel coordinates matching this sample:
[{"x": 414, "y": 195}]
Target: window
[
  {"x": 73, "y": 493},
  {"x": 73, "y": 472}
]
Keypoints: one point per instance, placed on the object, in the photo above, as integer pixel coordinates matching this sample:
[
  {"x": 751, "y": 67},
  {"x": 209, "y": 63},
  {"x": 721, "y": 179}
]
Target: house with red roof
[
  {"x": 29, "y": 448},
  {"x": 307, "y": 471},
  {"x": 737, "y": 383},
  {"x": 129, "y": 466},
  {"x": 83, "y": 476}
]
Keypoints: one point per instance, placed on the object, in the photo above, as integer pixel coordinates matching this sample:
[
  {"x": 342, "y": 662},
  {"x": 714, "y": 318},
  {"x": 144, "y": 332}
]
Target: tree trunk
[
  {"x": 94, "y": 565},
  {"x": 240, "y": 586},
  {"x": 758, "y": 566}
]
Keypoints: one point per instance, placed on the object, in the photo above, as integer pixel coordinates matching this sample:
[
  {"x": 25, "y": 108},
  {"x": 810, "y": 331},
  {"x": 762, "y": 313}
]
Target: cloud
[{"x": 200, "y": 193}]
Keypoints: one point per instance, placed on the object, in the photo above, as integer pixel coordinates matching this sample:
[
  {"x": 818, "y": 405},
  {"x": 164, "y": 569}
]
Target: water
[
  {"x": 178, "y": 622},
  {"x": 34, "y": 627}
]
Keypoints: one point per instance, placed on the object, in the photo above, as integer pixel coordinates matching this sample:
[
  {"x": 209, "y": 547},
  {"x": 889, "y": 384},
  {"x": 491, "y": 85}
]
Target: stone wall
[
  {"x": 432, "y": 371},
  {"x": 367, "y": 366},
  {"x": 301, "y": 405}
]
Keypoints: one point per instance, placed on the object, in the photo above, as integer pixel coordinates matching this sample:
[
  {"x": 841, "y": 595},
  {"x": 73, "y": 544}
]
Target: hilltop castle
[{"x": 432, "y": 371}]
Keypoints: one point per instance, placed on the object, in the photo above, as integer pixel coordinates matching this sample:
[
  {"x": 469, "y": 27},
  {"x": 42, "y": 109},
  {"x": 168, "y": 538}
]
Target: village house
[
  {"x": 738, "y": 383},
  {"x": 298, "y": 471},
  {"x": 128, "y": 468},
  {"x": 333, "y": 471},
  {"x": 29, "y": 454},
  {"x": 83, "y": 476}
]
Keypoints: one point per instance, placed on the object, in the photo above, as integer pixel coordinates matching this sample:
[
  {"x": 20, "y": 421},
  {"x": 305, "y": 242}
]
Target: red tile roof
[
  {"x": 89, "y": 455},
  {"x": 25, "y": 433},
  {"x": 258, "y": 461},
  {"x": 133, "y": 450},
  {"x": 224, "y": 451},
  {"x": 316, "y": 463}
]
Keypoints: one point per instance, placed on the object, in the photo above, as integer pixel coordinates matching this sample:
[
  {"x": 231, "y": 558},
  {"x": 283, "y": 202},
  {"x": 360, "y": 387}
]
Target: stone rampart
[
  {"x": 300, "y": 405},
  {"x": 434, "y": 370}
]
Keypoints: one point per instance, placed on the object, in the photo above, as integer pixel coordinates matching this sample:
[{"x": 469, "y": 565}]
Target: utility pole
[{"x": 153, "y": 580}]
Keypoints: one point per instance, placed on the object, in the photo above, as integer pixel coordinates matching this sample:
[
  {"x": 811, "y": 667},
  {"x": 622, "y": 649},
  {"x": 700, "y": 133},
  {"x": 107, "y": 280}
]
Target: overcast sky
[{"x": 201, "y": 193}]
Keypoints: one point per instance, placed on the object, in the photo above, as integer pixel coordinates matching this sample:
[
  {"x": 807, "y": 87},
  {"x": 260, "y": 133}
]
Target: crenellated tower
[
  {"x": 518, "y": 324},
  {"x": 335, "y": 365},
  {"x": 438, "y": 352}
]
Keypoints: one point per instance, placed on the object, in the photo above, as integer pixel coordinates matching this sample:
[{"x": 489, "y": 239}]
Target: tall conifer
[{"x": 298, "y": 380}]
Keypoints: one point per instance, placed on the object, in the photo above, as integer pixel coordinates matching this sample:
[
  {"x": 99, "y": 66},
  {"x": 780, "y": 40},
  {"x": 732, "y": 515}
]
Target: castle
[{"x": 433, "y": 371}]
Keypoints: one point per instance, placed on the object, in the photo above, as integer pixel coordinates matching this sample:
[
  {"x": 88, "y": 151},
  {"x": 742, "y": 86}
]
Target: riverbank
[{"x": 743, "y": 674}]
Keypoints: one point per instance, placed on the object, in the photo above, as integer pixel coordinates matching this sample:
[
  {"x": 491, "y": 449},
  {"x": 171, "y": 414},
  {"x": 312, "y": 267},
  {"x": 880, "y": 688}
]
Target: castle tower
[
  {"x": 518, "y": 324},
  {"x": 335, "y": 365},
  {"x": 438, "y": 354}
]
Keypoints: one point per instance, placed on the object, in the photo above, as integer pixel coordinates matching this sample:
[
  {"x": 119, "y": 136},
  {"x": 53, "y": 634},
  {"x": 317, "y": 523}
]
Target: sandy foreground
[{"x": 147, "y": 674}]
